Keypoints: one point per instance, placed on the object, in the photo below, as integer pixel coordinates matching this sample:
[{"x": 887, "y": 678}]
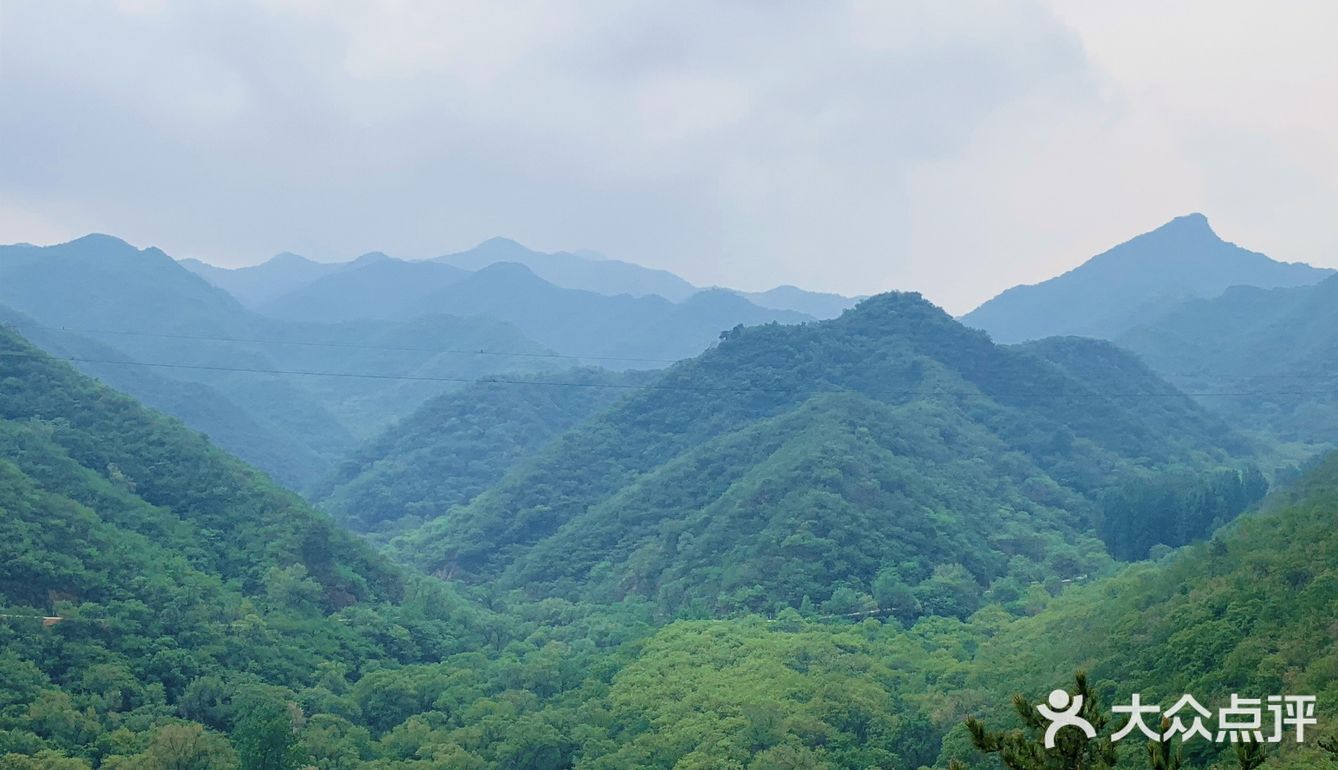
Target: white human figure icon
[{"x": 1063, "y": 712}]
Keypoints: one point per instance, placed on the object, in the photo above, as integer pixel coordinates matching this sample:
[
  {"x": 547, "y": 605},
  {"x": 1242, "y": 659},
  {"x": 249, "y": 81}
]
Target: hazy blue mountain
[
  {"x": 369, "y": 287},
  {"x": 817, "y": 304},
  {"x": 588, "y": 324},
  {"x": 790, "y": 462},
  {"x": 256, "y": 284},
  {"x": 141, "y": 306},
  {"x": 576, "y": 271},
  {"x": 245, "y": 433},
  {"x": 1267, "y": 358},
  {"x": 1133, "y": 283}
]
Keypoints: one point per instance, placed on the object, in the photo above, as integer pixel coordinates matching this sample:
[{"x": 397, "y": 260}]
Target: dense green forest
[
  {"x": 211, "y": 620},
  {"x": 457, "y": 444},
  {"x": 889, "y": 451}
]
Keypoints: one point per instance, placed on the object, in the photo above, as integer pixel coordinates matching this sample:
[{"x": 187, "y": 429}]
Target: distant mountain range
[
  {"x": 1135, "y": 283},
  {"x": 620, "y": 331},
  {"x": 319, "y": 357},
  {"x": 139, "y": 320},
  {"x": 270, "y": 284}
]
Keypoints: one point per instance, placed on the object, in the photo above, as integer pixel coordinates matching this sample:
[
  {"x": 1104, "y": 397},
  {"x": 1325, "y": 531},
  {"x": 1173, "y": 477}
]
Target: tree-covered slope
[
  {"x": 1269, "y": 357},
  {"x": 793, "y": 461},
  {"x": 65, "y": 432},
  {"x": 457, "y": 444},
  {"x": 1134, "y": 282},
  {"x": 164, "y": 606},
  {"x": 207, "y": 614},
  {"x": 1250, "y": 612}
]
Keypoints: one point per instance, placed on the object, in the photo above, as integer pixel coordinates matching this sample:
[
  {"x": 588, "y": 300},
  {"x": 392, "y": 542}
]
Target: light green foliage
[{"x": 214, "y": 621}]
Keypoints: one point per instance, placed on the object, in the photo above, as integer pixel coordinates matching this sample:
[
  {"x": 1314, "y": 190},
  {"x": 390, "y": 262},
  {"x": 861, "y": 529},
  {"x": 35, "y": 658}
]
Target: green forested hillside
[
  {"x": 891, "y": 451},
  {"x": 1250, "y": 612},
  {"x": 196, "y": 614},
  {"x": 457, "y": 444},
  {"x": 1265, "y": 359},
  {"x": 207, "y": 615}
]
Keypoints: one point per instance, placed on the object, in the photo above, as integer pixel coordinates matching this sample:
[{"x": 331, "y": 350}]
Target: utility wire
[
  {"x": 548, "y": 355},
  {"x": 353, "y": 345},
  {"x": 656, "y": 386}
]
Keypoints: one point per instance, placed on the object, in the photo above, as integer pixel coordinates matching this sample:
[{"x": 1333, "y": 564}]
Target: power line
[
  {"x": 549, "y": 355},
  {"x": 352, "y": 345},
  {"x": 656, "y": 386}
]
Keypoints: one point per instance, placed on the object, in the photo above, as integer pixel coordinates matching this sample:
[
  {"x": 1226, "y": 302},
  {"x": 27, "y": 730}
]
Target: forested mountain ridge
[
  {"x": 457, "y": 444},
  {"x": 62, "y": 427},
  {"x": 1270, "y": 355},
  {"x": 777, "y": 466},
  {"x": 1249, "y": 612},
  {"x": 243, "y": 432},
  {"x": 1135, "y": 282},
  {"x": 178, "y": 645}
]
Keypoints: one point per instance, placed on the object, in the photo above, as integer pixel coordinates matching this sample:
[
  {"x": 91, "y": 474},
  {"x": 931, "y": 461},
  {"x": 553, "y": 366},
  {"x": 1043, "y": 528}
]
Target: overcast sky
[{"x": 950, "y": 148}]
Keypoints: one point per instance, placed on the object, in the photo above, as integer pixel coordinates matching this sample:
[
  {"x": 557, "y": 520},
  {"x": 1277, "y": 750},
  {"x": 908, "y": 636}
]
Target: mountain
[
  {"x": 255, "y": 285},
  {"x": 1134, "y": 283},
  {"x": 798, "y": 463},
  {"x": 323, "y": 387},
  {"x": 368, "y": 288},
  {"x": 1265, "y": 358},
  {"x": 622, "y": 330},
  {"x": 231, "y": 426},
  {"x": 817, "y": 304},
  {"x": 610, "y": 277},
  {"x": 71, "y": 437},
  {"x": 630, "y": 331},
  {"x": 1247, "y": 613},
  {"x": 164, "y": 606},
  {"x": 457, "y": 444}
]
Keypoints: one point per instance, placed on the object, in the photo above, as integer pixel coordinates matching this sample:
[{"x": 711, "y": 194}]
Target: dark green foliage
[
  {"x": 266, "y": 735},
  {"x": 459, "y": 443},
  {"x": 791, "y": 461},
  {"x": 1249, "y": 612},
  {"x": 895, "y": 463},
  {"x": 1174, "y": 509},
  {"x": 1073, "y": 750}
]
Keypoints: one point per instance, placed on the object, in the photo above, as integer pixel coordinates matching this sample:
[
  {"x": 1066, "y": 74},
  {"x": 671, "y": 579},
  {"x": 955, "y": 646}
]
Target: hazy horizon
[{"x": 852, "y": 148}]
